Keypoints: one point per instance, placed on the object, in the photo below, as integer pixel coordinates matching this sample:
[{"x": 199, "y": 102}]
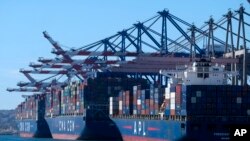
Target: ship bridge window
[
  {"x": 215, "y": 69},
  {"x": 199, "y": 75},
  {"x": 199, "y": 69},
  {"x": 206, "y": 69},
  {"x": 206, "y": 75}
]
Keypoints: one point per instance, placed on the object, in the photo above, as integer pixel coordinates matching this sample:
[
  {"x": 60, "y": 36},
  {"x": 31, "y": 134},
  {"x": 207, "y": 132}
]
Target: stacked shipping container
[
  {"x": 185, "y": 100},
  {"x": 218, "y": 100},
  {"x": 29, "y": 108},
  {"x": 175, "y": 100},
  {"x": 113, "y": 105},
  {"x": 69, "y": 100},
  {"x": 167, "y": 101},
  {"x": 139, "y": 102}
]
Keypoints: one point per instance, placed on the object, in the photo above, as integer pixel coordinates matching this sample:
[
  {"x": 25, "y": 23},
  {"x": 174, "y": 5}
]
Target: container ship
[
  {"x": 79, "y": 111},
  {"x": 197, "y": 104},
  {"x": 69, "y": 117},
  {"x": 30, "y": 117}
]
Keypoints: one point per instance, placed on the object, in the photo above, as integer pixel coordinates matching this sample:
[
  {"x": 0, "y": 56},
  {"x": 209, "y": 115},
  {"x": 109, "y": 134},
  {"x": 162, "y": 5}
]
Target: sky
[{"x": 77, "y": 23}]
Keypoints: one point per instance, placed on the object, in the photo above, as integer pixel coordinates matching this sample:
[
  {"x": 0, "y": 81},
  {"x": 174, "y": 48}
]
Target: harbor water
[{"x": 17, "y": 138}]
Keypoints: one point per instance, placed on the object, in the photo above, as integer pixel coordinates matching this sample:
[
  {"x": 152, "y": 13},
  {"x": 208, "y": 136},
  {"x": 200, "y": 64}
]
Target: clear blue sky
[{"x": 76, "y": 23}]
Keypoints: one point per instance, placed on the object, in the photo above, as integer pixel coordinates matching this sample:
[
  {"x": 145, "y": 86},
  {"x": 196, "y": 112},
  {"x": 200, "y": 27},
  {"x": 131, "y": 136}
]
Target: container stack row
[
  {"x": 56, "y": 101},
  {"x": 175, "y": 100},
  {"x": 73, "y": 99},
  {"x": 218, "y": 101},
  {"x": 138, "y": 102},
  {"x": 29, "y": 108},
  {"x": 69, "y": 100},
  {"x": 182, "y": 100},
  {"x": 101, "y": 88}
]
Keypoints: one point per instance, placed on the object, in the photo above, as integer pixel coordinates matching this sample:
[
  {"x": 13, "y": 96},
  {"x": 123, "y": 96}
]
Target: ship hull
[
  {"x": 170, "y": 130},
  {"x": 66, "y": 127},
  {"x": 77, "y": 127},
  {"x": 27, "y": 127},
  {"x": 33, "y": 128},
  {"x": 149, "y": 130}
]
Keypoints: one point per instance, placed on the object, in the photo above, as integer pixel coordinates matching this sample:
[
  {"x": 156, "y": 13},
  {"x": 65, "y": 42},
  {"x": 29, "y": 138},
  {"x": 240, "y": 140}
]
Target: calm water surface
[{"x": 17, "y": 138}]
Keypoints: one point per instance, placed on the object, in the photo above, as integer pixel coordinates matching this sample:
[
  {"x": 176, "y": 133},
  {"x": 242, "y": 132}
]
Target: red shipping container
[
  {"x": 156, "y": 107},
  {"x": 172, "y": 112},
  {"x": 151, "y": 104},
  {"x": 127, "y": 98},
  {"x": 143, "y": 112},
  {"x": 138, "y": 93},
  {"x": 178, "y": 98},
  {"x": 120, "y": 112},
  {"x": 147, "y": 104},
  {"x": 178, "y": 94},
  {"x": 178, "y": 88}
]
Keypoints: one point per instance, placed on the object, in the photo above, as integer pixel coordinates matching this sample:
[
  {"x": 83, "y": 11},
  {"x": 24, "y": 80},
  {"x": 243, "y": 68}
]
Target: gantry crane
[{"x": 144, "y": 49}]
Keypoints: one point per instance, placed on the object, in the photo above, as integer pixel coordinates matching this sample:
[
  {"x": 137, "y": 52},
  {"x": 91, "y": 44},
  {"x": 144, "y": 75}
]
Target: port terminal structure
[{"x": 141, "y": 51}]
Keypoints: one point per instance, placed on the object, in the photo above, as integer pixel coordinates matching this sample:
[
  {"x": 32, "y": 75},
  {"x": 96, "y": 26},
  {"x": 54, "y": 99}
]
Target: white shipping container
[
  {"x": 172, "y": 106},
  {"x": 111, "y": 109},
  {"x": 134, "y": 112},
  {"x": 120, "y": 105},
  {"x": 167, "y": 95},
  {"x": 172, "y": 95},
  {"x": 167, "y": 90},
  {"x": 138, "y": 101},
  {"x": 110, "y": 99},
  {"x": 172, "y": 101},
  {"x": 135, "y": 88}
]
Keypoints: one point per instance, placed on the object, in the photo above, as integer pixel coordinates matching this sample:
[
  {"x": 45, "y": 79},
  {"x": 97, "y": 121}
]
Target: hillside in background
[{"x": 7, "y": 122}]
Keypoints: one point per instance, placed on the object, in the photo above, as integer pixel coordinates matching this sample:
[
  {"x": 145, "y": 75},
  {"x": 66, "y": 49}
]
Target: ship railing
[
  {"x": 212, "y": 118},
  {"x": 152, "y": 117},
  {"x": 66, "y": 114}
]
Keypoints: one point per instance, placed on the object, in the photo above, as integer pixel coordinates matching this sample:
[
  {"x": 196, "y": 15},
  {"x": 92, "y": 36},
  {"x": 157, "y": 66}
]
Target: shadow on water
[{"x": 99, "y": 127}]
